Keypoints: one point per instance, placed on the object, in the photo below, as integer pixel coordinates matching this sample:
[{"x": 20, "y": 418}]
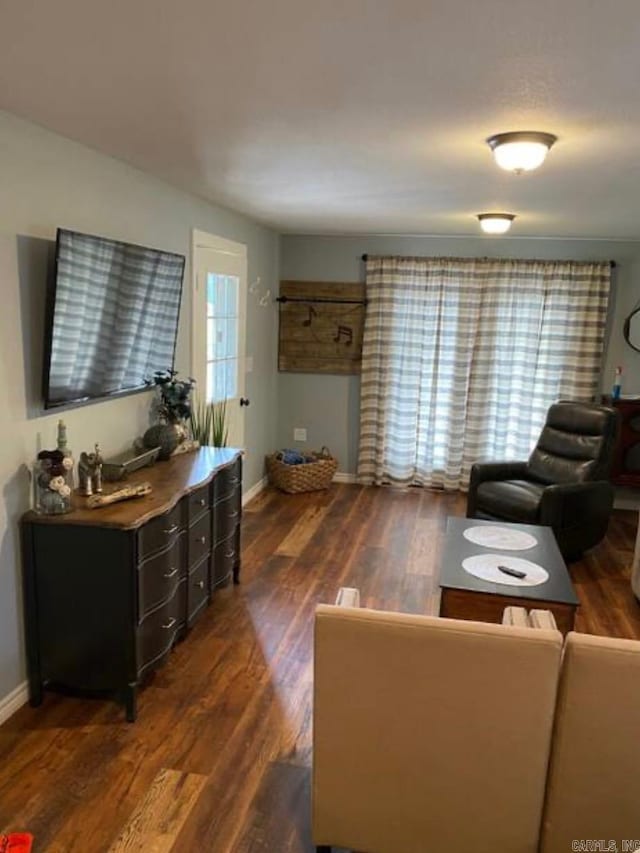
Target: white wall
[
  {"x": 328, "y": 406},
  {"x": 48, "y": 181}
]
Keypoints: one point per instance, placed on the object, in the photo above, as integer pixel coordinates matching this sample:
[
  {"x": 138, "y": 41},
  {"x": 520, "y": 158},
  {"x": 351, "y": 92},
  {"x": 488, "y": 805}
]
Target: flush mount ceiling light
[
  {"x": 496, "y": 223},
  {"x": 522, "y": 150}
]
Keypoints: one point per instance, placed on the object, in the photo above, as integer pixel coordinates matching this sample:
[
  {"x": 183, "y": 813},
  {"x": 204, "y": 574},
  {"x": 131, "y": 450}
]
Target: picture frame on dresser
[{"x": 109, "y": 592}]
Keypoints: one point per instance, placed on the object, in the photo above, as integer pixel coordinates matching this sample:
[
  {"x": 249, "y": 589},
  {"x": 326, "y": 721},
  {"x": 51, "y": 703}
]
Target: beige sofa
[
  {"x": 435, "y": 735},
  {"x": 593, "y": 787}
]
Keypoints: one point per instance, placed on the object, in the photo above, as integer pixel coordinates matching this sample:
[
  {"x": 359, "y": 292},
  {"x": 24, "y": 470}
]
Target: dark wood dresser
[
  {"x": 626, "y": 465},
  {"x": 108, "y": 592}
]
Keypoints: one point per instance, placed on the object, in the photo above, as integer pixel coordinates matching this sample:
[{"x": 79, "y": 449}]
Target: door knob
[{"x": 244, "y": 401}]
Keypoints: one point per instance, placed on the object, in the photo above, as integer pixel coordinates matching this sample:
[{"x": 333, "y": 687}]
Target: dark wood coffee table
[{"x": 464, "y": 596}]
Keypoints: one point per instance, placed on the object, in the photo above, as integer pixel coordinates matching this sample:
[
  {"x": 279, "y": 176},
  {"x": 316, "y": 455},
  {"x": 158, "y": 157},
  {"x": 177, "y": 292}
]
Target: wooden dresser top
[{"x": 170, "y": 481}]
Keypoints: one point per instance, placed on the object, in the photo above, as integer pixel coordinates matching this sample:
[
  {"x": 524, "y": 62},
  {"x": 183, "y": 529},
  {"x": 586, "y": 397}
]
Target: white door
[{"x": 219, "y": 326}]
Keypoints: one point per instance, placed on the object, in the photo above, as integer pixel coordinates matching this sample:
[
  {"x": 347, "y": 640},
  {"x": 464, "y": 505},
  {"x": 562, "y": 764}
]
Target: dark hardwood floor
[{"x": 219, "y": 758}]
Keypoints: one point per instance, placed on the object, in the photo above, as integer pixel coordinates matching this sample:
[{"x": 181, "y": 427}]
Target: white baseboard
[
  {"x": 344, "y": 477},
  {"x": 14, "y": 700},
  {"x": 254, "y": 491},
  {"x": 627, "y": 499},
  {"x": 626, "y": 503}
]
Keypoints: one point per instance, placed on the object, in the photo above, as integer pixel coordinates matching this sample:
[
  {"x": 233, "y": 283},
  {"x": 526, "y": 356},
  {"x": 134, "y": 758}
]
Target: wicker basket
[{"x": 307, "y": 477}]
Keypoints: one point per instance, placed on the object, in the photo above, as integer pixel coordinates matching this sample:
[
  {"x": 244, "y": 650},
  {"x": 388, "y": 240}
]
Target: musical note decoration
[
  {"x": 312, "y": 313},
  {"x": 346, "y": 332}
]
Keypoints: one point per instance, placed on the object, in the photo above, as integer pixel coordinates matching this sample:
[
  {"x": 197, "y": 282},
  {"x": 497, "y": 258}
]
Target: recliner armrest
[
  {"x": 482, "y": 472},
  {"x": 567, "y": 504},
  {"x": 510, "y": 470}
]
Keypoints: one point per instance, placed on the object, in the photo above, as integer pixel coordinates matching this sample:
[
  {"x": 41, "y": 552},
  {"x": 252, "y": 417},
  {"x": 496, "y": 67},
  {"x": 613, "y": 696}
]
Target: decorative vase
[
  {"x": 166, "y": 436},
  {"x": 51, "y": 473}
]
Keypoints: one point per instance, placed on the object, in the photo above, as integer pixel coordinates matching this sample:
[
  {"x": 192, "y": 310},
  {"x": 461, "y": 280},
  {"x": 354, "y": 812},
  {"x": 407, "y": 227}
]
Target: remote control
[{"x": 515, "y": 573}]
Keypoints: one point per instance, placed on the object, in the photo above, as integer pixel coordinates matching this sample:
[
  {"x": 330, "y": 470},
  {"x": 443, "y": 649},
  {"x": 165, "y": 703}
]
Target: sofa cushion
[
  {"x": 593, "y": 788},
  {"x": 516, "y": 500},
  {"x": 430, "y": 734}
]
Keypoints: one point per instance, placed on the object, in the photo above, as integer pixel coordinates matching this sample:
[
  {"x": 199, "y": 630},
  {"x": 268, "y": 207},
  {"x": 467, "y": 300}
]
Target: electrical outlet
[{"x": 299, "y": 434}]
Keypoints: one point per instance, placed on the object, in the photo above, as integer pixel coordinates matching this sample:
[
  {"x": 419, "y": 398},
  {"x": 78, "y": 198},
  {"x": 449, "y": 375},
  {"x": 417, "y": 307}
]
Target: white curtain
[{"x": 463, "y": 357}]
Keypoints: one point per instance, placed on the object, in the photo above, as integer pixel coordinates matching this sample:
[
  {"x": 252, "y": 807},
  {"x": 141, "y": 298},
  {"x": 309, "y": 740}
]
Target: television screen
[{"x": 112, "y": 317}]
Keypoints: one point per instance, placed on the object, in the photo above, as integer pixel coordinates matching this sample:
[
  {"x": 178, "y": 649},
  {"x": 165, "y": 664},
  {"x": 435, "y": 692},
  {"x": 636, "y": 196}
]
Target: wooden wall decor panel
[{"x": 321, "y": 332}]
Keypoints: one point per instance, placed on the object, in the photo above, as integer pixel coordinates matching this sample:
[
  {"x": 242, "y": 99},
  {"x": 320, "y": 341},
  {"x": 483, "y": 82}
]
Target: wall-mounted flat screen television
[{"x": 111, "y": 319}]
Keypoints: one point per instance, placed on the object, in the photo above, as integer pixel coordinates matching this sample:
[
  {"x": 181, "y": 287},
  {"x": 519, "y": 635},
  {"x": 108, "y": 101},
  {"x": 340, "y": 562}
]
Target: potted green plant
[
  {"x": 173, "y": 408},
  {"x": 209, "y": 423}
]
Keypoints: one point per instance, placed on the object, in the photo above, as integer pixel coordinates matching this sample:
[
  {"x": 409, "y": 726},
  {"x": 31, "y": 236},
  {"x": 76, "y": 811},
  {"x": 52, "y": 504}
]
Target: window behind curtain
[{"x": 463, "y": 357}]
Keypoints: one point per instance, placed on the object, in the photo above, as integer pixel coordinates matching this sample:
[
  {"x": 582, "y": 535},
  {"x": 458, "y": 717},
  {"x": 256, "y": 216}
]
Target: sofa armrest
[
  {"x": 571, "y": 504},
  {"x": 518, "y": 616},
  {"x": 348, "y": 596},
  {"x": 543, "y": 619}
]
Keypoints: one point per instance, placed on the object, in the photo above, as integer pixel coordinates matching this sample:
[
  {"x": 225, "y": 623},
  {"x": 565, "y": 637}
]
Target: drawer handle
[
  {"x": 234, "y": 514},
  {"x": 170, "y": 623},
  {"x": 203, "y": 502},
  {"x": 230, "y": 554},
  {"x": 170, "y": 574},
  {"x": 202, "y": 539},
  {"x": 200, "y": 584},
  {"x": 171, "y": 529}
]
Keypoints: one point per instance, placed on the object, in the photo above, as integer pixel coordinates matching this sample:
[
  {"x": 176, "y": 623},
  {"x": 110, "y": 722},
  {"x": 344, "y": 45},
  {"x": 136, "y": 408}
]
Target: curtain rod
[
  {"x": 612, "y": 264},
  {"x": 285, "y": 299}
]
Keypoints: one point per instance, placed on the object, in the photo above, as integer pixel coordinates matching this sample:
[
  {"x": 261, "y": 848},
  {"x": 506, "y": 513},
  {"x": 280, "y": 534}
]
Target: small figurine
[{"x": 90, "y": 472}]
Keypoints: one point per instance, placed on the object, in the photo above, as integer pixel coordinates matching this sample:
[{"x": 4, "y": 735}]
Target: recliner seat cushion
[{"x": 517, "y": 500}]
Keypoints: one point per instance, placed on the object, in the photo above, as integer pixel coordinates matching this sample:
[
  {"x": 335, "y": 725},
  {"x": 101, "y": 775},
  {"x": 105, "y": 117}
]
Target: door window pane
[
  {"x": 212, "y": 291},
  {"x": 220, "y": 389},
  {"x": 222, "y": 336},
  {"x": 221, "y": 297},
  {"x": 211, "y": 340},
  {"x": 226, "y": 339},
  {"x": 231, "y": 377},
  {"x": 231, "y": 304},
  {"x": 221, "y": 339},
  {"x": 232, "y": 338}
]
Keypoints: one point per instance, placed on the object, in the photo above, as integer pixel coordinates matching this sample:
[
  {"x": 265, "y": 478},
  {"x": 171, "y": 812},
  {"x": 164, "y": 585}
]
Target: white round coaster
[
  {"x": 500, "y": 537},
  {"x": 486, "y": 567}
]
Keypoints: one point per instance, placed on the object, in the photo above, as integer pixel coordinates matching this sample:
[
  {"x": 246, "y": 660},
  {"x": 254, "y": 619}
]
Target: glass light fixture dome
[
  {"x": 496, "y": 223},
  {"x": 521, "y": 151}
]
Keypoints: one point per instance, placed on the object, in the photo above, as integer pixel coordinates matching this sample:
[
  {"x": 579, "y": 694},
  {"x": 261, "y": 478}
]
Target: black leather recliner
[{"x": 564, "y": 484}]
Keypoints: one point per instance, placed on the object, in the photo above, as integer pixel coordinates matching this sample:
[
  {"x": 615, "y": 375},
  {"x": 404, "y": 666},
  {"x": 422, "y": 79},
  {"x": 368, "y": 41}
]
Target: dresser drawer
[
  {"x": 198, "y": 502},
  {"x": 159, "y": 576},
  {"x": 225, "y": 558},
  {"x": 197, "y": 590},
  {"x": 157, "y": 633},
  {"x": 228, "y": 481},
  {"x": 226, "y": 517},
  {"x": 199, "y": 539},
  {"x": 156, "y": 534}
]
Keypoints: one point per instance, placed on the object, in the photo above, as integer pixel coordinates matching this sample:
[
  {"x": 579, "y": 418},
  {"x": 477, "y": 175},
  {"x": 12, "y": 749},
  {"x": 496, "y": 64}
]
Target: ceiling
[{"x": 355, "y": 116}]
